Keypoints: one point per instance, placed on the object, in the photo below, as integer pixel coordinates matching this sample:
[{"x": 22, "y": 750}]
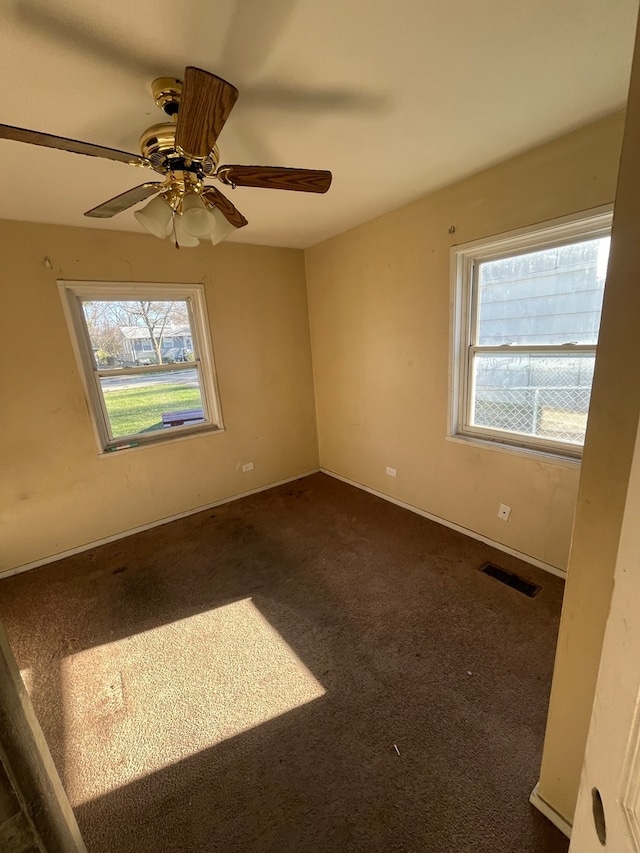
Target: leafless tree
[
  {"x": 102, "y": 322},
  {"x": 155, "y": 316}
]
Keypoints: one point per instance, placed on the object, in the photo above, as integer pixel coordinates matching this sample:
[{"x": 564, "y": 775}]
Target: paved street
[{"x": 188, "y": 376}]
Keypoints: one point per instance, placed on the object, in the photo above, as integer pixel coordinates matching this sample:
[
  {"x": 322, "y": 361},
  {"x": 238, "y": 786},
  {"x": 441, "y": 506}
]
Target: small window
[
  {"x": 138, "y": 393},
  {"x": 527, "y": 314}
]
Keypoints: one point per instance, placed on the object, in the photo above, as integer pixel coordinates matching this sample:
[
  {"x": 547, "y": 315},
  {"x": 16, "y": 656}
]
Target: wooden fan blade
[
  {"x": 205, "y": 104},
  {"x": 276, "y": 178},
  {"x": 127, "y": 199},
  {"x": 233, "y": 216},
  {"x": 34, "y": 137}
]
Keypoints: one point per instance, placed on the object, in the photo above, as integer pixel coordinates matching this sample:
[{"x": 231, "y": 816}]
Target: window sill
[
  {"x": 169, "y": 439},
  {"x": 535, "y": 455}
]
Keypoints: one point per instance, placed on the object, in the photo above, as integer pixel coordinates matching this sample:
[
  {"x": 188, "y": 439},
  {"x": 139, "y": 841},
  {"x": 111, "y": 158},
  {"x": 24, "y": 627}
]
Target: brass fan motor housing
[
  {"x": 158, "y": 145},
  {"x": 159, "y": 139}
]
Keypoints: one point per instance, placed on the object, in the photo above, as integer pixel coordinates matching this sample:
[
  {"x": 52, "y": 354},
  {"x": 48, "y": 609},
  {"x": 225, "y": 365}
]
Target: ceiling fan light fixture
[
  {"x": 222, "y": 228},
  {"x": 182, "y": 236},
  {"x": 155, "y": 216},
  {"x": 185, "y": 152},
  {"x": 197, "y": 219}
]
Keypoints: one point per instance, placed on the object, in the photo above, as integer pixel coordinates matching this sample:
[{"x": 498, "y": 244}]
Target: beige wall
[
  {"x": 56, "y": 492},
  {"x": 379, "y": 302},
  {"x": 608, "y": 457}
]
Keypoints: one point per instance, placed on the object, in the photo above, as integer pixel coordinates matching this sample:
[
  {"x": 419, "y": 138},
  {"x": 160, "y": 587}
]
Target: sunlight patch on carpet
[
  {"x": 27, "y": 679},
  {"x": 144, "y": 702}
]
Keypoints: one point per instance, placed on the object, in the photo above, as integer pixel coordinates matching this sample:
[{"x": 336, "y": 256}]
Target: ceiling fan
[{"x": 184, "y": 151}]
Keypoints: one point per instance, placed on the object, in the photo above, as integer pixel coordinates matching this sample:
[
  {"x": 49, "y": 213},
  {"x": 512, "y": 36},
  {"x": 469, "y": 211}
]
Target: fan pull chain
[{"x": 173, "y": 225}]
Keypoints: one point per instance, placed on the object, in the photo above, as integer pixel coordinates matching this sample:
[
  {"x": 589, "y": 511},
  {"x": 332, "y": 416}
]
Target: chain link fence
[
  {"x": 538, "y": 395},
  {"x": 558, "y": 412}
]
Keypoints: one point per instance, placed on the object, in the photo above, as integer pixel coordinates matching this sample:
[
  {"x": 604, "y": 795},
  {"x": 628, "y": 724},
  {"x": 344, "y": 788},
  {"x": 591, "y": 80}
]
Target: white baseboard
[
  {"x": 550, "y": 813},
  {"x": 554, "y": 570},
  {"x": 166, "y": 520},
  {"x": 527, "y": 558}
]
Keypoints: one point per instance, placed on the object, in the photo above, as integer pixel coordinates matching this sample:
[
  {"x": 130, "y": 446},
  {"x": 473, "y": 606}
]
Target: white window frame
[
  {"x": 73, "y": 293},
  {"x": 465, "y": 260}
]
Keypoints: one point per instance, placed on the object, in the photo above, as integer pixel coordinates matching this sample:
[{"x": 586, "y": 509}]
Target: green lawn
[{"x": 139, "y": 409}]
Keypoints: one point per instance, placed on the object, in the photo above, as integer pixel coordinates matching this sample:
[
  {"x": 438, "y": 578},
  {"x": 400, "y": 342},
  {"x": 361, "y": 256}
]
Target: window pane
[
  {"x": 538, "y": 395},
  {"x": 127, "y": 333},
  {"x": 553, "y": 296},
  {"x": 152, "y": 401}
]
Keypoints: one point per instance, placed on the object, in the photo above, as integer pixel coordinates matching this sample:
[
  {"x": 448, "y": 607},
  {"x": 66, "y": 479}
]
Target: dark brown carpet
[{"x": 237, "y": 681}]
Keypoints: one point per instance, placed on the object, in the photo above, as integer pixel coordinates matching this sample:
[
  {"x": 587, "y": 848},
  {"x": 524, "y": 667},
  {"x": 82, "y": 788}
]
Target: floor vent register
[{"x": 511, "y": 579}]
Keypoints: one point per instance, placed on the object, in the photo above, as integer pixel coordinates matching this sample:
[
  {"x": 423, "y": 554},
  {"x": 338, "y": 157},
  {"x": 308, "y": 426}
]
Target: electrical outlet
[
  {"x": 248, "y": 466},
  {"x": 504, "y": 512},
  {"x": 391, "y": 471}
]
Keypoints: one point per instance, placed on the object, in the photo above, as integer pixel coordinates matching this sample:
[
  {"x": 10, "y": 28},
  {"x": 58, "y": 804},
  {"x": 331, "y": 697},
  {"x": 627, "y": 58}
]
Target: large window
[
  {"x": 527, "y": 314},
  {"x": 141, "y": 387}
]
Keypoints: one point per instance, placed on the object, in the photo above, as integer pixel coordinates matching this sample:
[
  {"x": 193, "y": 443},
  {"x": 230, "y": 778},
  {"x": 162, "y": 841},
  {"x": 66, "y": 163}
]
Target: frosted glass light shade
[
  {"x": 222, "y": 227},
  {"x": 155, "y": 216},
  {"x": 197, "y": 219},
  {"x": 185, "y": 240}
]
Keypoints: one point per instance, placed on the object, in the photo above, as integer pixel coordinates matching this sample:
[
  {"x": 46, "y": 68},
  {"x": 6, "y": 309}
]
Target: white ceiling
[{"x": 395, "y": 97}]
